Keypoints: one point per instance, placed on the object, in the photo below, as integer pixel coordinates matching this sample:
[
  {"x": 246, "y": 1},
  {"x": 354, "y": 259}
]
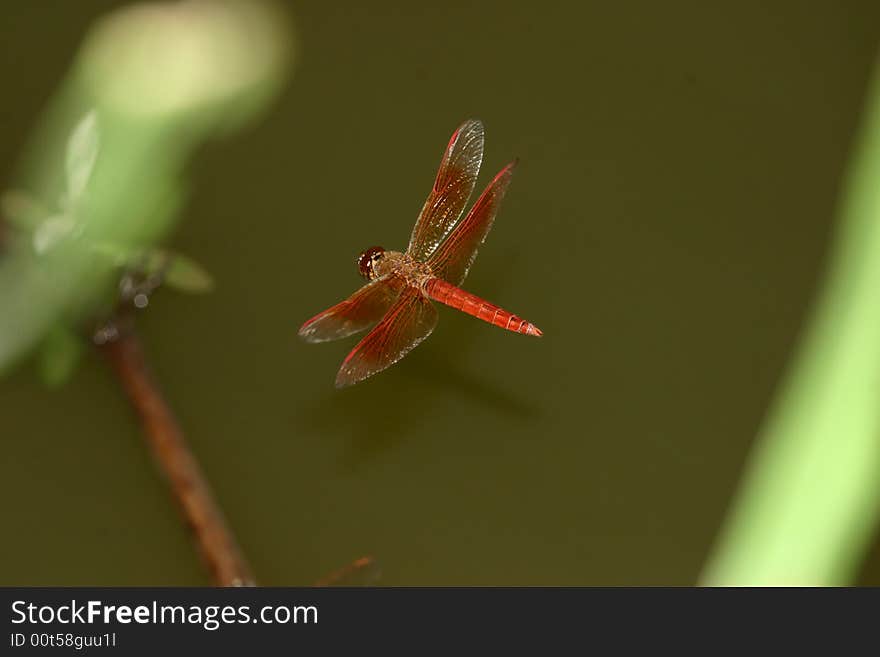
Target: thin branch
[
  {"x": 364, "y": 568},
  {"x": 188, "y": 483}
]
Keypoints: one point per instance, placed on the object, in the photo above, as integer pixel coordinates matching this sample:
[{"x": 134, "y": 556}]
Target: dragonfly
[{"x": 396, "y": 302}]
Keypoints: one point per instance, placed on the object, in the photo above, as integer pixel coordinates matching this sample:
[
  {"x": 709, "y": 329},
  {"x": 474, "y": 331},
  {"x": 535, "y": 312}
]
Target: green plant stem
[
  {"x": 807, "y": 507},
  {"x": 212, "y": 535}
]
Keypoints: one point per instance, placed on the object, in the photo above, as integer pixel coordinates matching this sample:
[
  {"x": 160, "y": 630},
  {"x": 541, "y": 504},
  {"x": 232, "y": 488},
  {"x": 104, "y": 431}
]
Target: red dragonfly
[{"x": 397, "y": 300}]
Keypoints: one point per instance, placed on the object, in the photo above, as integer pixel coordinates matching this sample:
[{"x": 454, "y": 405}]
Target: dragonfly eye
[{"x": 367, "y": 259}]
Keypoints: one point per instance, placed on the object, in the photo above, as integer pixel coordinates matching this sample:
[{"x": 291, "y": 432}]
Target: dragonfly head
[{"x": 367, "y": 262}]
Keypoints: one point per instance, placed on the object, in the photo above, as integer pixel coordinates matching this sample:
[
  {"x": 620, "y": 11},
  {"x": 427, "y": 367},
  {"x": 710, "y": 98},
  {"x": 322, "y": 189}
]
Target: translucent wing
[
  {"x": 455, "y": 256},
  {"x": 357, "y": 313},
  {"x": 409, "y": 321},
  {"x": 452, "y": 190}
]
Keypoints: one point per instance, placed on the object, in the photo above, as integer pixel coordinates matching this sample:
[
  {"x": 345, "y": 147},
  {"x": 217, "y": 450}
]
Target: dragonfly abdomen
[{"x": 454, "y": 297}]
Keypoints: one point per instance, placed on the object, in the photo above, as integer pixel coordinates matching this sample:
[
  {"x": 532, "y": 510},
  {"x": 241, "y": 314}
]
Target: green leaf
[
  {"x": 170, "y": 268},
  {"x": 60, "y": 354},
  {"x": 52, "y": 231},
  {"x": 115, "y": 254},
  {"x": 160, "y": 79},
  {"x": 82, "y": 151},
  {"x": 179, "y": 272}
]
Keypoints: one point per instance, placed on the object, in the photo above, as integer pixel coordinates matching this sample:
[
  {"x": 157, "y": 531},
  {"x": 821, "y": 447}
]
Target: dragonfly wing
[
  {"x": 409, "y": 321},
  {"x": 454, "y": 257},
  {"x": 452, "y": 190},
  {"x": 357, "y": 313}
]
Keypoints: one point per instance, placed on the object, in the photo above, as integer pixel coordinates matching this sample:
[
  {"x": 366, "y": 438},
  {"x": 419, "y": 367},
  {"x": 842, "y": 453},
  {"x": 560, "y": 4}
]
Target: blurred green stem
[
  {"x": 807, "y": 507},
  {"x": 215, "y": 541}
]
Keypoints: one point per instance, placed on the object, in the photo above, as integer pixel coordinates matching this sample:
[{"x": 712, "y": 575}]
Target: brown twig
[
  {"x": 188, "y": 483},
  {"x": 344, "y": 575}
]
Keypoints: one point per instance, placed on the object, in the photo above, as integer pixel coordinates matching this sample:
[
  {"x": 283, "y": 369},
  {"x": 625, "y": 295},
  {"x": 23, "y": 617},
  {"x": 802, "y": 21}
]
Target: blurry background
[{"x": 666, "y": 229}]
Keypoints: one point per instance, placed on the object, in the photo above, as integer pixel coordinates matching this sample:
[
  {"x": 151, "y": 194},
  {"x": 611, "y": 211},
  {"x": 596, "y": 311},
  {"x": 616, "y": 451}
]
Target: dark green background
[{"x": 666, "y": 229}]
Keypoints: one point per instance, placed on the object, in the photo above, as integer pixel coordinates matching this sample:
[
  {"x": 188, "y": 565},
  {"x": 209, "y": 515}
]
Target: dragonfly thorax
[{"x": 376, "y": 262}]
